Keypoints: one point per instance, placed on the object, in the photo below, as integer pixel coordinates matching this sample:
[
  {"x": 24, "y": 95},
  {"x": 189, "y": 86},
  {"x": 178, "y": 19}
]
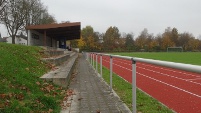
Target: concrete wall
[
  {"x": 77, "y": 49},
  {"x": 39, "y": 40}
]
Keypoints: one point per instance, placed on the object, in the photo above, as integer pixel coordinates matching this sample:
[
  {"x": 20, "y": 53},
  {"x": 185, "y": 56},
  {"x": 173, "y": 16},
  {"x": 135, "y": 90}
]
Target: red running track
[{"x": 178, "y": 90}]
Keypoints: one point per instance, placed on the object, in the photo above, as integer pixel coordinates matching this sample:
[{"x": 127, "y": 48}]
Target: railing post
[
  {"x": 101, "y": 65},
  {"x": 93, "y": 60},
  {"x": 87, "y": 56},
  {"x": 111, "y": 72},
  {"x": 96, "y": 63},
  {"x": 134, "y": 85}
]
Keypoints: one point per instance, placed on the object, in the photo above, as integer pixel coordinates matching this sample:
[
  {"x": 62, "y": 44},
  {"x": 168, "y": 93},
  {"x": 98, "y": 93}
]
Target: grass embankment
[
  {"x": 145, "y": 103},
  {"x": 180, "y": 57},
  {"x": 21, "y": 89}
]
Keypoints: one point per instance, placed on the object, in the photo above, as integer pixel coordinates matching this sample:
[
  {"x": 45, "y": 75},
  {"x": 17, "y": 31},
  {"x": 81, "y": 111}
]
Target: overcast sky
[{"x": 130, "y": 15}]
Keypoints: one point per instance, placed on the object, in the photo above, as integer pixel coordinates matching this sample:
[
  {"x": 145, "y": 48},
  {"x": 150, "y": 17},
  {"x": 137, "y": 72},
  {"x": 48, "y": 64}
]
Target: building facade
[
  {"x": 53, "y": 35},
  {"x": 19, "y": 39}
]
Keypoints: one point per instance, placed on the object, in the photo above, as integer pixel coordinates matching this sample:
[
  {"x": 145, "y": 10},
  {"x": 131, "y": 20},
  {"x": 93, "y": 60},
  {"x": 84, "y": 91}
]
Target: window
[{"x": 35, "y": 36}]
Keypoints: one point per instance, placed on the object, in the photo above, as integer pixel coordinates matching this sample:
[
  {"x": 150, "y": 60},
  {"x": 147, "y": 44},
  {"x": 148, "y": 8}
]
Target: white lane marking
[
  {"x": 189, "y": 74},
  {"x": 171, "y": 86},
  {"x": 160, "y": 73},
  {"x": 170, "y": 75},
  {"x": 119, "y": 66},
  {"x": 193, "y": 79},
  {"x": 165, "y": 83},
  {"x": 163, "y": 69}
]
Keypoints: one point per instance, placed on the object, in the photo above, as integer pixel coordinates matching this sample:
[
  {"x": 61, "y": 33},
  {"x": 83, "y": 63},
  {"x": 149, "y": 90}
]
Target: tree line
[
  {"x": 17, "y": 14},
  {"x": 113, "y": 40}
]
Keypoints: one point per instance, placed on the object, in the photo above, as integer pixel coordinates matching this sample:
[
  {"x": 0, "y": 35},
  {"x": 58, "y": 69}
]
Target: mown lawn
[
  {"x": 181, "y": 57},
  {"x": 21, "y": 89}
]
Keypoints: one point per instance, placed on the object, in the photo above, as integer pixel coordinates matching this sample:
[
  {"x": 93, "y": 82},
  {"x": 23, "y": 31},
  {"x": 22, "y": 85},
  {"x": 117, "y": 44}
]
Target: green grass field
[{"x": 180, "y": 57}]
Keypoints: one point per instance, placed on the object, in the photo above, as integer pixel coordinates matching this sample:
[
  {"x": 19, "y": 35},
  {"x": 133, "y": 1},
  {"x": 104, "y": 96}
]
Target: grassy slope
[
  {"x": 181, "y": 57},
  {"x": 21, "y": 90}
]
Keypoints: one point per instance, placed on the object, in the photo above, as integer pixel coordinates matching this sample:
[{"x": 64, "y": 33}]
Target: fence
[{"x": 93, "y": 57}]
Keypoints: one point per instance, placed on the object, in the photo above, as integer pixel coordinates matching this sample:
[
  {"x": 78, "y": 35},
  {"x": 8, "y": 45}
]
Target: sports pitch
[{"x": 180, "y": 57}]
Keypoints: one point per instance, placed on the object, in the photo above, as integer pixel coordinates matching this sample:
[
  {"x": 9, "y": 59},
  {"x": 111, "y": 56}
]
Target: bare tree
[
  {"x": 20, "y": 13},
  {"x": 140, "y": 41},
  {"x": 37, "y": 14},
  {"x": 47, "y": 18},
  {"x": 2, "y": 5},
  {"x": 13, "y": 16}
]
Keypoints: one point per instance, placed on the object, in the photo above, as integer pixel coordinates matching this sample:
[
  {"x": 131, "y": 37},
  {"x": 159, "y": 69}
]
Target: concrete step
[
  {"x": 62, "y": 74},
  {"x": 52, "y": 51},
  {"x": 57, "y": 60}
]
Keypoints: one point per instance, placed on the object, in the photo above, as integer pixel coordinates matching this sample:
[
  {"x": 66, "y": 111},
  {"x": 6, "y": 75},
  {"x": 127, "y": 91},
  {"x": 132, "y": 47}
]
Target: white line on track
[
  {"x": 171, "y": 70},
  {"x": 163, "y": 69},
  {"x": 172, "y": 86},
  {"x": 119, "y": 66},
  {"x": 188, "y": 80},
  {"x": 169, "y": 75},
  {"x": 162, "y": 82},
  {"x": 193, "y": 79}
]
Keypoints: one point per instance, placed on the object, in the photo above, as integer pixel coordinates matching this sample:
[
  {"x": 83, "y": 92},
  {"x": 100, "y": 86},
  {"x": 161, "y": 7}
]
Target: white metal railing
[{"x": 91, "y": 58}]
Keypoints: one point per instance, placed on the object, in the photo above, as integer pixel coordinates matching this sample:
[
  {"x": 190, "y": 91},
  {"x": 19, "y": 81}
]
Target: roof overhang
[{"x": 70, "y": 31}]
